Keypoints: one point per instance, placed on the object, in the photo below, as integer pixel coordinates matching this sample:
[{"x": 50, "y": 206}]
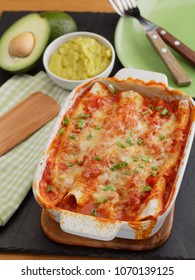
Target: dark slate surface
[{"x": 23, "y": 234}]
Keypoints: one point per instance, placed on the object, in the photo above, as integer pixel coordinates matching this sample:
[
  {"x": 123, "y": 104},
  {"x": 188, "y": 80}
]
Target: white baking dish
[{"x": 105, "y": 229}]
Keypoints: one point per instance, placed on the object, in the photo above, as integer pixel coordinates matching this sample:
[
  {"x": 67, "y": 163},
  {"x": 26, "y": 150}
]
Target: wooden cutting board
[
  {"x": 52, "y": 230},
  {"x": 26, "y": 118}
]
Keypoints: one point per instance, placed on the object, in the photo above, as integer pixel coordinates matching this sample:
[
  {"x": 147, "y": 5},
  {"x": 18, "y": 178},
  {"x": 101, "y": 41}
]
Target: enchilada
[{"x": 116, "y": 154}]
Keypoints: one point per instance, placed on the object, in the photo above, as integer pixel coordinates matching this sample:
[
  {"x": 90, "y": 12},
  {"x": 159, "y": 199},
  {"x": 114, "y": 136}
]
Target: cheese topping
[{"x": 116, "y": 155}]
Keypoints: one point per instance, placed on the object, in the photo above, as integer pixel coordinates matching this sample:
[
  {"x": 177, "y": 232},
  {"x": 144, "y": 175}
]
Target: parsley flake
[
  {"x": 61, "y": 131},
  {"x": 69, "y": 164},
  {"x": 162, "y": 137},
  {"x": 112, "y": 88},
  {"x": 109, "y": 187},
  {"x": 119, "y": 165},
  {"x": 120, "y": 144},
  {"x": 146, "y": 188},
  {"x": 164, "y": 112},
  {"x": 97, "y": 128},
  {"x": 89, "y": 137},
  {"x": 49, "y": 188},
  {"x": 97, "y": 158},
  {"x": 72, "y": 136},
  {"x": 139, "y": 142},
  {"x": 94, "y": 212},
  {"x": 129, "y": 141},
  {"x": 66, "y": 120},
  {"x": 80, "y": 124}
]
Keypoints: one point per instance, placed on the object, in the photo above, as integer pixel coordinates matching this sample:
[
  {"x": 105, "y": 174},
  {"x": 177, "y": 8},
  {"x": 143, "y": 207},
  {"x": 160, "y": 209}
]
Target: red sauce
[{"x": 158, "y": 111}]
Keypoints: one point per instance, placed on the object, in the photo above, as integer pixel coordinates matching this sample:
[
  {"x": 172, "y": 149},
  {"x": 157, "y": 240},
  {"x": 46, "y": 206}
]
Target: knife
[
  {"x": 177, "y": 45},
  {"x": 158, "y": 36},
  {"x": 129, "y": 8}
]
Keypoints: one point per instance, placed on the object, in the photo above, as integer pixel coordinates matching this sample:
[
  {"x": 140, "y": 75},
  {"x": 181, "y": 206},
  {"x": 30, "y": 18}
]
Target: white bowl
[{"x": 71, "y": 84}]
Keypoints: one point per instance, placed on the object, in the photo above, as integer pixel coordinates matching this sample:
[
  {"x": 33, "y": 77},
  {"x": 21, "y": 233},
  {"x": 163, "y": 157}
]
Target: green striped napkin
[{"x": 18, "y": 166}]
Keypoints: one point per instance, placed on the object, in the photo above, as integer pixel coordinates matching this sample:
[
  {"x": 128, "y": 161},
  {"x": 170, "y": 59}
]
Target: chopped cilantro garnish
[
  {"x": 153, "y": 173},
  {"x": 141, "y": 165},
  {"x": 86, "y": 116},
  {"x": 129, "y": 141},
  {"x": 94, "y": 212},
  {"x": 97, "y": 201},
  {"x": 136, "y": 170},
  {"x": 119, "y": 165},
  {"x": 80, "y": 124},
  {"x": 164, "y": 112},
  {"x": 83, "y": 116},
  {"x": 80, "y": 116},
  {"x": 162, "y": 137},
  {"x": 89, "y": 137},
  {"x": 109, "y": 187},
  {"x": 146, "y": 188},
  {"x": 69, "y": 164},
  {"x": 49, "y": 188},
  {"x": 158, "y": 108},
  {"x": 72, "y": 136},
  {"x": 145, "y": 158},
  {"x": 127, "y": 172},
  {"x": 144, "y": 113},
  {"x": 66, "y": 120},
  {"x": 155, "y": 167},
  {"x": 97, "y": 128},
  {"x": 150, "y": 106},
  {"x": 139, "y": 142},
  {"x": 61, "y": 131},
  {"x": 120, "y": 144},
  {"x": 105, "y": 199},
  {"x": 135, "y": 158},
  {"x": 97, "y": 158},
  {"x": 112, "y": 88}
]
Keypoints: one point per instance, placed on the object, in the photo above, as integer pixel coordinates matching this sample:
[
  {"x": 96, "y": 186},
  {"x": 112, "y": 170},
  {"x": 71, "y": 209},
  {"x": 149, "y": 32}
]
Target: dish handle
[
  {"x": 144, "y": 75},
  {"x": 88, "y": 226}
]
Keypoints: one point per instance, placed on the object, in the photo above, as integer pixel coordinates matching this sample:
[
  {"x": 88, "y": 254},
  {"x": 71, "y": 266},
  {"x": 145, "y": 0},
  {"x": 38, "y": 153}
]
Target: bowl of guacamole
[{"x": 77, "y": 57}]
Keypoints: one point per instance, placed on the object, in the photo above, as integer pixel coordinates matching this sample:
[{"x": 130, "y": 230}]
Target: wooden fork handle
[
  {"x": 168, "y": 58},
  {"x": 177, "y": 45}
]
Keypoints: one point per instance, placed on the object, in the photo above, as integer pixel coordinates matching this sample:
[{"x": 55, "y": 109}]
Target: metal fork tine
[
  {"x": 132, "y": 3},
  {"x": 120, "y": 5},
  {"x": 130, "y": 6},
  {"x": 115, "y": 7},
  {"x": 124, "y": 3}
]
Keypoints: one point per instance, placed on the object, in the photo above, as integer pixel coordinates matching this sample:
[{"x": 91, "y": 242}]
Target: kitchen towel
[{"x": 17, "y": 167}]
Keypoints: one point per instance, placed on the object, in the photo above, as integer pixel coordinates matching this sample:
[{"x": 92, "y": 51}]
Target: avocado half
[{"x": 23, "y": 43}]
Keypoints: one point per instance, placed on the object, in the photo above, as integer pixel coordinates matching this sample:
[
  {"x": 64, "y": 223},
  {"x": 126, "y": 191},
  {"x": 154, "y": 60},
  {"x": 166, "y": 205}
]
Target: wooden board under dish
[{"x": 52, "y": 230}]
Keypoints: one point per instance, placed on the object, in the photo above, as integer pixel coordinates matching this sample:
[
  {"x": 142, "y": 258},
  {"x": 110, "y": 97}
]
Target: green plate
[{"x": 134, "y": 49}]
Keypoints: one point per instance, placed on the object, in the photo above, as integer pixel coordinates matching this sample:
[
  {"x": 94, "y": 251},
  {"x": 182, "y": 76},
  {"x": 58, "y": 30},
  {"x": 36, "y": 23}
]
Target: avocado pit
[{"x": 22, "y": 45}]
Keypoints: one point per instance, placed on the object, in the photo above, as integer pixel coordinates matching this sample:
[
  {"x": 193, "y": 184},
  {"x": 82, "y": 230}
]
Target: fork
[{"x": 128, "y": 8}]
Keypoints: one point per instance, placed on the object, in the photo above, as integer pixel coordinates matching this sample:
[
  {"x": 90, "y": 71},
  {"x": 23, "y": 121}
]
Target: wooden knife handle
[
  {"x": 168, "y": 58},
  {"x": 177, "y": 45}
]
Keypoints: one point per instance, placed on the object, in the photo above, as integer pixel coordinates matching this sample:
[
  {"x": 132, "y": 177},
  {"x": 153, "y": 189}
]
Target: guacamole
[{"x": 80, "y": 58}]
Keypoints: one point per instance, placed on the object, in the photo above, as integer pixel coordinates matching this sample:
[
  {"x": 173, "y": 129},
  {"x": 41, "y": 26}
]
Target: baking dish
[{"x": 101, "y": 228}]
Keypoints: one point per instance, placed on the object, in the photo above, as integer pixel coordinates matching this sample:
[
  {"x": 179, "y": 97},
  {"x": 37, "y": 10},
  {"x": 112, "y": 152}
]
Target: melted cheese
[{"x": 116, "y": 152}]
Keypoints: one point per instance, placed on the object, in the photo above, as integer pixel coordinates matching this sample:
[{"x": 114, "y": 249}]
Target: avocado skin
[
  {"x": 24, "y": 70},
  {"x": 32, "y": 61},
  {"x": 60, "y": 23}
]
